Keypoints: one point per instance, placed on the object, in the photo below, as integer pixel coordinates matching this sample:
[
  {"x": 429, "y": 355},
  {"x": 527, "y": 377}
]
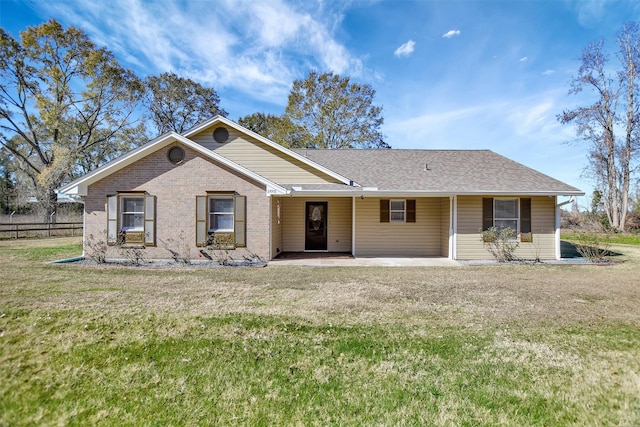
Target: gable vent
[
  {"x": 221, "y": 135},
  {"x": 175, "y": 155}
]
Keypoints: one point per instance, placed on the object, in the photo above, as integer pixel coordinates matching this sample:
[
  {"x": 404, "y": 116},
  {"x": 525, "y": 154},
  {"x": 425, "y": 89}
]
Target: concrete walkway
[{"x": 349, "y": 261}]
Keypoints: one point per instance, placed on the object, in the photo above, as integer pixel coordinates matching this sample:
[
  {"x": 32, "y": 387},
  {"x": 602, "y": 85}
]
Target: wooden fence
[{"x": 39, "y": 229}]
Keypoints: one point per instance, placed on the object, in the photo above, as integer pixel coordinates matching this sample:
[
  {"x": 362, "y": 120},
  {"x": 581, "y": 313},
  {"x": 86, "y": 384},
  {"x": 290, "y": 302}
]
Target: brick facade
[{"x": 175, "y": 188}]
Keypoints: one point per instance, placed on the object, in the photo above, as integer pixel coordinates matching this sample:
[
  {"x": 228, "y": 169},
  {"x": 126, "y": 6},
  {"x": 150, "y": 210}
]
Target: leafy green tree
[
  {"x": 335, "y": 113},
  {"x": 177, "y": 103},
  {"x": 65, "y": 105},
  {"x": 611, "y": 125},
  {"x": 279, "y": 129}
]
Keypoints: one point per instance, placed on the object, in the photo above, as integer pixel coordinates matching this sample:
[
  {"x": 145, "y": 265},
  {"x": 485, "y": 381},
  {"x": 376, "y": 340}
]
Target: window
[
  {"x": 132, "y": 213},
  {"x": 508, "y": 213},
  {"x": 131, "y": 219},
  {"x": 505, "y": 213},
  {"x": 221, "y": 216},
  {"x": 398, "y": 211}
]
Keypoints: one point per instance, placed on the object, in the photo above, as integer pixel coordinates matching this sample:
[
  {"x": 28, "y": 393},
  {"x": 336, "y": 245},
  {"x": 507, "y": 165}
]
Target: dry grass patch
[{"x": 496, "y": 345}]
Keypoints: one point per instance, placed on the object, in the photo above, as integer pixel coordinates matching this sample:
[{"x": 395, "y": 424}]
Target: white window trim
[
  {"x": 403, "y": 210},
  {"x": 212, "y": 214},
  {"x": 123, "y": 198},
  {"x": 517, "y": 199}
]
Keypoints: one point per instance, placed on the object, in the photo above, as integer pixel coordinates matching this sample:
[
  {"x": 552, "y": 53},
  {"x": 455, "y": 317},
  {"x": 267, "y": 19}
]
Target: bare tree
[
  {"x": 611, "y": 124},
  {"x": 65, "y": 105}
]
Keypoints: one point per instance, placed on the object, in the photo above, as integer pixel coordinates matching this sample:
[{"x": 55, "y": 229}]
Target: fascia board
[{"x": 416, "y": 193}]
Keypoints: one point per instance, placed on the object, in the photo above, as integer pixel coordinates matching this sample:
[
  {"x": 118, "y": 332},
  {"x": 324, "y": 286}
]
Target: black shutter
[
  {"x": 384, "y": 210},
  {"x": 487, "y": 213},
  {"x": 525, "y": 215},
  {"x": 411, "y": 211}
]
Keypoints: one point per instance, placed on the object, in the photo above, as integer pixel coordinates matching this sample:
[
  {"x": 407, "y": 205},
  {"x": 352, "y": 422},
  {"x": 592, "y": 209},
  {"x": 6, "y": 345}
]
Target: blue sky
[{"x": 461, "y": 74}]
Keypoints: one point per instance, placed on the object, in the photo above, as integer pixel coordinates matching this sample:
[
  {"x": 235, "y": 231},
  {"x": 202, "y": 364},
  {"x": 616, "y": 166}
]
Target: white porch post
[
  {"x": 353, "y": 226},
  {"x": 271, "y": 255},
  {"x": 453, "y": 227},
  {"x": 557, "y": 230}
]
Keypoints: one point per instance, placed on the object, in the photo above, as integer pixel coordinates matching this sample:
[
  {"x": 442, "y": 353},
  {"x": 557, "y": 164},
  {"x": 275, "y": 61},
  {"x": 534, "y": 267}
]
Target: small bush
[
  {"x": 179, "y": 249},
  {"x": 592, "y": 246},
  {"x": 135, "y": 255},
  {"x": 501, "y": 243},
  {"x": 221, "y": 245},
  {"x": 96, "y": 249}
]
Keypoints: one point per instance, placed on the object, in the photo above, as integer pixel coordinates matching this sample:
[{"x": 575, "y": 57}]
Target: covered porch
[{"x": 401, "y": 226}]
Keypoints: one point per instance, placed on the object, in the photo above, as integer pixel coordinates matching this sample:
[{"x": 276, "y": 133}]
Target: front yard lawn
[{"x": 482, "y": 345}]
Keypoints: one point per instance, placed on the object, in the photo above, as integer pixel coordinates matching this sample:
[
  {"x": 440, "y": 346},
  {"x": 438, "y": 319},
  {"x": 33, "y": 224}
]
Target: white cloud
[
  {"x": 405, "y": 49},
  {"x": 548, "y": 72},
  {"x": 257, "y": 48},
  {"x": 451, "y": 33},
  {"x": 524, "y": 59}
]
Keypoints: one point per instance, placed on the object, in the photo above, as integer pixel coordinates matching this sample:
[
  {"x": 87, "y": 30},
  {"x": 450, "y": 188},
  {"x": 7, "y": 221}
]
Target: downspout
[{"x": 557, "y": 236}]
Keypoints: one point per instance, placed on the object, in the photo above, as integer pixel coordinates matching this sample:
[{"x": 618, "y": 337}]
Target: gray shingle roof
[{"x": 437, "y": 171}]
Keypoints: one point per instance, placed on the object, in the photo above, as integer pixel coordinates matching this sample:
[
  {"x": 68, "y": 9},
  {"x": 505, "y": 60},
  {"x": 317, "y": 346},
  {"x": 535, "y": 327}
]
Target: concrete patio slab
[{"x": 349, "y": 261}]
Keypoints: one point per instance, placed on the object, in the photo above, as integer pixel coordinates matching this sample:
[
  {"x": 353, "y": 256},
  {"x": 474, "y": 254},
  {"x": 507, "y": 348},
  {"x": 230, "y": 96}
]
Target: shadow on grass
[{"x": 569, "y": 250}]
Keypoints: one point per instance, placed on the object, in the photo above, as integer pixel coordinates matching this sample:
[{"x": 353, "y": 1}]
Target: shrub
[
  {"x": 96, "y": 249},
  {"x": 593, "y": 246},
  {"x": 135, "y": 254},
  {"x": 221, "y": 245},
  {"x": 501, "y": 243},
  {"x": 179, "y": 249}
]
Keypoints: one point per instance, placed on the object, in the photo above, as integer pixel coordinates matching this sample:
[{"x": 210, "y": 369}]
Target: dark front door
[{"x": 316, "y": 226}]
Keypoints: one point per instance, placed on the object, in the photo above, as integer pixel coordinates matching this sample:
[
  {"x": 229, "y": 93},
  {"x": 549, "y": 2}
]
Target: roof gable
[
  {"x": 80, "y": 185},
  {"x": 272, "y": 160}
]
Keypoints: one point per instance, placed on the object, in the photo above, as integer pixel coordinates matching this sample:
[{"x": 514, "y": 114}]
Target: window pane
[
  {"x": 397, "y": 205},
  {"x": 222, "y": 205},
  {"x": 132, "y": 221},
  {"x": 506, "y": 209},
  {"x": 506, "y": 223},
  {"x": 133, "y": 204},
  {"x": 397, "y": 216},
  {"x": 223, "y": 222}
]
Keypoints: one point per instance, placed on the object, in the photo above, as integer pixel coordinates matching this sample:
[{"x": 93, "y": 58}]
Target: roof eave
[{"x": 358, "y": 191}]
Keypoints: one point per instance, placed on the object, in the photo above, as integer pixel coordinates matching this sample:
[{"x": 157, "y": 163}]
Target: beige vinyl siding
[
  {"x": 276, "y": 226},
  {"x": 469, "y": 242},
  {"x": 543, "y": 219},
  {"x": 262, "y": 159},
  {"x": 338, "y": 227},
  {"x": 445, "y": 207},
  {"x": 422, "y": 238}
]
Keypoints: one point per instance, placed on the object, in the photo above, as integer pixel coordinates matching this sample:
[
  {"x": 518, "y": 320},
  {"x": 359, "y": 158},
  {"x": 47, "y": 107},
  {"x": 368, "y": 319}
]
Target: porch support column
[
  {"x": 453, "y": 227},
  {"x": 353, "y": 226},
  {"x": 557, "y": 230}
]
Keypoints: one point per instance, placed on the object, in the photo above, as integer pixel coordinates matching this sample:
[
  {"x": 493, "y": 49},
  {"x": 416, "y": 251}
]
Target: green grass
[
  {"x": 617, "y": 239},
  {"x": 515, "y": 345}
]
